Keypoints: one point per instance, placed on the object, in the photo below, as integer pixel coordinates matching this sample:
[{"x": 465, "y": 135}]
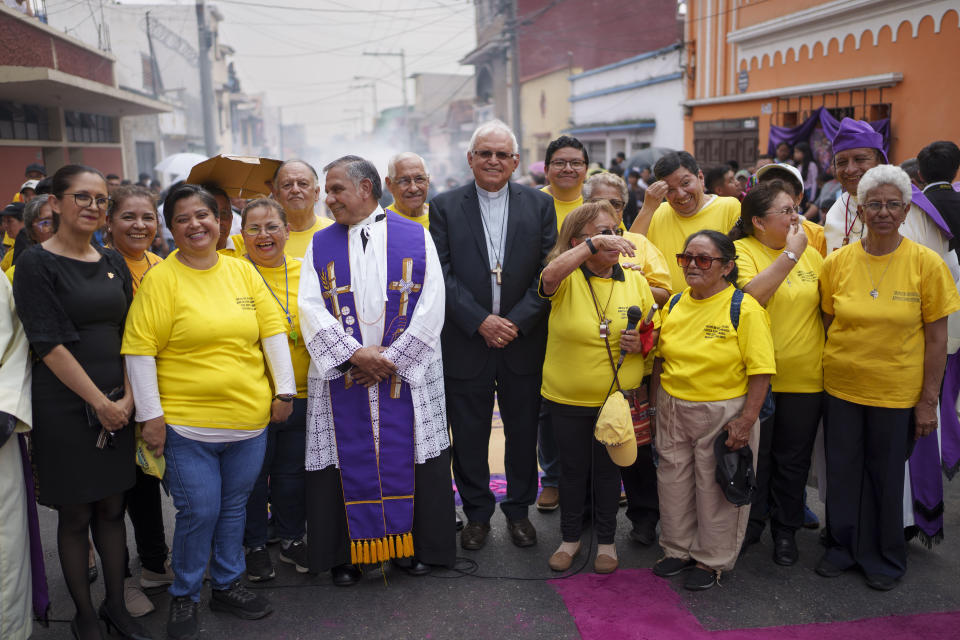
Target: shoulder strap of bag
[
  {"x": 606, "y": 343},
  {"x": 673, "y": 301},
  {"x": 735, "y": 303}
]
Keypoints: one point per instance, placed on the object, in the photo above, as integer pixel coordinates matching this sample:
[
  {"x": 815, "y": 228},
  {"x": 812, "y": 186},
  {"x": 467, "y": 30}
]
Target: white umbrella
[{"x": 179, "y": 163}]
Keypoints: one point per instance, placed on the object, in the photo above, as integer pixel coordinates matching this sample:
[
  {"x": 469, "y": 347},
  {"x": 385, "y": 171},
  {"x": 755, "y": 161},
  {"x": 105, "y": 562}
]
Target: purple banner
[{"x": 830, "y": 126}]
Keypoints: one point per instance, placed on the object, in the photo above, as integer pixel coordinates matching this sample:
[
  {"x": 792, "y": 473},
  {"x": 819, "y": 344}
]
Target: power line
[{"x": 248, "y": 3}]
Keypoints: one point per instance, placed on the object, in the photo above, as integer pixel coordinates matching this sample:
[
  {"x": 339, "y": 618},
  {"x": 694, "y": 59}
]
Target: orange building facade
[{"x": 753, "y": 64}]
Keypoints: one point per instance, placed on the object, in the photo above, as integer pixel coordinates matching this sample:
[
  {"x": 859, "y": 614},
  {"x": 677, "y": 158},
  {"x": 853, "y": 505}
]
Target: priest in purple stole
[{"x": 371, "y": 309}]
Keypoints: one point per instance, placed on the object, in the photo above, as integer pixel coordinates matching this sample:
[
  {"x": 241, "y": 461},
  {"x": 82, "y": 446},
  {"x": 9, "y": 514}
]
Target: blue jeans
[
  {"x": 283, "y": 464},
  {"x": 210, "y": 483}
]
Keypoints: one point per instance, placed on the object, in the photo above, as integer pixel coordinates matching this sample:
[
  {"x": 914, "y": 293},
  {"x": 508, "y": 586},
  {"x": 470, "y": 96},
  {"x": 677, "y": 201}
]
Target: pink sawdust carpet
[{"x": 635, "y": 604}]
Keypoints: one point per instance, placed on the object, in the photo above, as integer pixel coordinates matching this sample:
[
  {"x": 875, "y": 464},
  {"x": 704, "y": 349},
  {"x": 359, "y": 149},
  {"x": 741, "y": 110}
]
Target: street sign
[{"x": 743, "y": 81}]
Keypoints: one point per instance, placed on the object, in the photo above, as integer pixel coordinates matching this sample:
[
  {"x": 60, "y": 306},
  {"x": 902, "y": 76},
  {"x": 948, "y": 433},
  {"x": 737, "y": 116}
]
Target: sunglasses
[
  {"x": 702, "y": 262},
  {"x": 486, "y": 154}
]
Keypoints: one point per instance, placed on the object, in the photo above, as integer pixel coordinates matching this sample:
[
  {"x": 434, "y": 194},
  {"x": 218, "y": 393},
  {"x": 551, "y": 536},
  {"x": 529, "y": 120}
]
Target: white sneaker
[{"x": 138, "y": 604}]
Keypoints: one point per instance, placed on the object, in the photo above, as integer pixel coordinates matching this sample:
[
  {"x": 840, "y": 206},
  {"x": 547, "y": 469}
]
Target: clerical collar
[
  {"x": 375, "y": 216},
  {"x": 617, "y": 273},
  {"x": 492, "y": 195}
]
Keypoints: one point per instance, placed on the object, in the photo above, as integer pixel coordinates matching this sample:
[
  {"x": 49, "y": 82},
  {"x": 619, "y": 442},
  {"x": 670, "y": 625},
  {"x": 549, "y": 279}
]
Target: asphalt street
[{"x": 505, "y": 592}]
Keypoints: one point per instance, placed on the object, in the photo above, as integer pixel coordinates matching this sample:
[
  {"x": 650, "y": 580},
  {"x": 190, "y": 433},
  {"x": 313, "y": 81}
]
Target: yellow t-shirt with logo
[
  {"x": 423, "y": 220},
  {"x": 298, "y": 241},
  {"x": 875, "y": 347},
  {"x": 204, "y": 329},
  {"x": 704, "y": 358},
  {"x": 564, "y": 207},
  {"x": 7, "y": 260},
  {"x": 285, "y": 287},
  {"x": 576, "y": 367},
  {"x": 669, "y": 230},
  {"x": 794, "y": 311}
]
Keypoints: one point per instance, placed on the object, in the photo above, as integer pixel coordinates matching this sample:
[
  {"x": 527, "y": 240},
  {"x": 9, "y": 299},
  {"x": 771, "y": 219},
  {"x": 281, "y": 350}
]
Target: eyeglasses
[
  {"x": 417, "y": 180},
  {"x": 602, "y": 232},
  {"x": 254, "y": 230},
  {"x": 893, "y": 206},
  {"x": 43, "y": 224},
  {"x": 786, "y": 211},
  {"x": 486, "y": 154},
  {"x": 574, "y": 164},
  {"x": 615, "y": 203},
  {"x": 702, "y": 262},
  {"x": 85, "y": 200}
]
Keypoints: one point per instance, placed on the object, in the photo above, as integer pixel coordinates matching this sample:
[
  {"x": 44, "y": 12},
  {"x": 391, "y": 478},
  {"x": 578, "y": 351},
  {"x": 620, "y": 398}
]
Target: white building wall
[{"x": 660, "y": 100}]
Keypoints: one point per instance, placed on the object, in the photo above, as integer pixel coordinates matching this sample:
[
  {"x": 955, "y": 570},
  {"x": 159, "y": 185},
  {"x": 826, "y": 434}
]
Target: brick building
[{"x": 59, "y": 102}]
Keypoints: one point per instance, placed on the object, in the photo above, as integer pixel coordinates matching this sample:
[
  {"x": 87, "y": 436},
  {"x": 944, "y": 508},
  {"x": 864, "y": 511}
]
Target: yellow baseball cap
[{"x": 614, "y": 430}]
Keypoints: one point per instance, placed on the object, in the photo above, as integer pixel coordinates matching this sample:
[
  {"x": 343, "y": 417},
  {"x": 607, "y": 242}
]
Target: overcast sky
[{"x": 305, "y": 53}]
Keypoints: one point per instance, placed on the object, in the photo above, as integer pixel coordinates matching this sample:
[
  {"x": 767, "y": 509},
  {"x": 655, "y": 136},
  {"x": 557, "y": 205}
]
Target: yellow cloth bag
[{"x": 148, "y": 463}]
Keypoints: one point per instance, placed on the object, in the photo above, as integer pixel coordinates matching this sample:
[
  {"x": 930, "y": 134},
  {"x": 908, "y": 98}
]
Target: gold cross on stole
[
  {"x": 333, "y": 291},
  {"x": 405, "y": 286}
]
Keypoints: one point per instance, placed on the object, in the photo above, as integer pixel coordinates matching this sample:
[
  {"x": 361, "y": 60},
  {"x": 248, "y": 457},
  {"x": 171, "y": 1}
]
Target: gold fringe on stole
[
  {"x": 376, "y": 550},
  {"x": 366, "y": 552},
  {"x": 408, "y": 544},
  {"x": 353, "y": 552},
  {"x": 384, "y": 554},
  {"x": 392, "y": 547}
]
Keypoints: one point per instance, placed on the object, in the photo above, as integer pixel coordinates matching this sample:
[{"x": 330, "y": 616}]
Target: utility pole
[
  {"x": 373, "y": 89},
  {"x": 403, "y": 87},
  {"x": 207, "y": 100},
  {"x": 512, "y": 26}
]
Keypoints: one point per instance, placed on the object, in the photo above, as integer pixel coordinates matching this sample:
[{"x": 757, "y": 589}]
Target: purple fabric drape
[
  {"x": 41, "y": 596},
  {"x": 830, "y": 125},
  {"x": 949, "y": 424}
]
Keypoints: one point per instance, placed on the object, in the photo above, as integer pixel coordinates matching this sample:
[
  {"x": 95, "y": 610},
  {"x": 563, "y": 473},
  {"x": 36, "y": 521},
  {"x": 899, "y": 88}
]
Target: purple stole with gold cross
[{"x": 378, "y": 482}]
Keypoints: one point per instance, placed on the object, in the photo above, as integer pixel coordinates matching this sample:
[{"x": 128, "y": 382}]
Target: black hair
[
  {"x": 673, "y": 161},
  {"x": 112, "y": 176},
  {"x": 804, "y": 148},
  {"x": 724, "y": 245},
  {"x": 62, "y": 180},
  {"x": 764, "y": 156},
  {"x": 182, "y": 192},
  {"x": 124, "y": 192},
  {"x": 268, "y": 203},
  {"x": 786, "y": 144},
  {"x": 939, "y": 161},
  {"x": 44, "y": 187},
  {"x": 755, "y": 205},
  {"x": 563, "y": 142},
  {"x": 215, "y": 191},
  {"x": 733, "y": 164},
  {"x": 715, "y": 175}
]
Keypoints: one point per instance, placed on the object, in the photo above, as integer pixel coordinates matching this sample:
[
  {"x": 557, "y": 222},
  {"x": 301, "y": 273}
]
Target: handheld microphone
[{"x": 634, "y": 316}]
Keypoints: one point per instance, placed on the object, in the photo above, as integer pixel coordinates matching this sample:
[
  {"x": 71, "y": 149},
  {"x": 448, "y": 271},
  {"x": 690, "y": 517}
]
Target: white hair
[
  {"x": 881, "y": 175},
  {"x": 493, "y": 126},
  {"x": 606, "y": 179},
  {"x": 400, "y": 157}
]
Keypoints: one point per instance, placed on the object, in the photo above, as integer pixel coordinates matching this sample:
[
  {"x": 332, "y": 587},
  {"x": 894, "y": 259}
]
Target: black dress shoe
[
  {"x": 474, "y": 535},
  {"x": 785, "y": 551},
  {"x": 123, "y": 623},
  {"x": 881, "y": 582},
  {"x": 412, "y": 566},
  {"x": 827, "y": 569},
  {"x": 700, "y": 579},
  {"x": 522, "y": 532},
  {"x": 346, "y": 575}
]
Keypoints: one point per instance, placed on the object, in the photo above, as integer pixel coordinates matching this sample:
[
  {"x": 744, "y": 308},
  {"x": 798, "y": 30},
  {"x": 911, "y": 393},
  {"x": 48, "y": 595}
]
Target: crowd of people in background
[{"x": 313, "y": 380}]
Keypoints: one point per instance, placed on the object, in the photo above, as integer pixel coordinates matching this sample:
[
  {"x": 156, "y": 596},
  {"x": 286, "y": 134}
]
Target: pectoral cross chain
[{"x": 497, "y": 271}]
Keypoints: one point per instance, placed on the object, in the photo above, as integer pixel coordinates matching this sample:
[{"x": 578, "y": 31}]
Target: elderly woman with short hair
[{"x": 885, "y": 301}]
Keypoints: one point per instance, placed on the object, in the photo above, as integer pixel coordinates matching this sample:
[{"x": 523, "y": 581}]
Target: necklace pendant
[
  {"x": 874, "y": 294},
  {"x": 294, "y": 336},
  {"x": 846, "y": 240},
  {"x": 603, "y": 328}
]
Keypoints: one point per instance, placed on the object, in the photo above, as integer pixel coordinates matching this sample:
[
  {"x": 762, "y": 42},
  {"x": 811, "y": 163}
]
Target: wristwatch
[
  {"x": 791, "y": 255},
  {"x": 590, "y": 246},
  {"x": 284, "y": 398}
]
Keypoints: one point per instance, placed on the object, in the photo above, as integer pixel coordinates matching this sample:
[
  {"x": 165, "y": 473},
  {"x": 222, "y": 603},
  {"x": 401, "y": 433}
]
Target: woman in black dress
[{"x": 72, "y": 299}]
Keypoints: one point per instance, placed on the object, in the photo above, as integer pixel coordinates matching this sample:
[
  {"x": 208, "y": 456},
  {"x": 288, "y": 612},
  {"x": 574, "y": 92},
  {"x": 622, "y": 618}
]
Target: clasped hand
[
  {"x": 497, "y": 332},
  {"x": 370, "y": 366},
  {"x": 115, "y": 415}
]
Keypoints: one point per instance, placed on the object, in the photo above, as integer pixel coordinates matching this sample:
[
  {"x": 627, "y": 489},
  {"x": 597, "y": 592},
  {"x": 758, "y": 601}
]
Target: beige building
[{"x": 544, "y": 111}]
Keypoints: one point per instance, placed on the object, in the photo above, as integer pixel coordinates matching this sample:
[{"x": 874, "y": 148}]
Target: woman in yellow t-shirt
[
  {"x": 711, "y": 375},
  {"x": 196, "y": 339},
  {"x": 265, "y": 229},
  {"x": 640, "y": 478},
  {"x": 778, "y": 267},
  {"x": 131, "y": 227},
  {"x": 885, "y": 302},
  {"x": 590, "y": 294}
]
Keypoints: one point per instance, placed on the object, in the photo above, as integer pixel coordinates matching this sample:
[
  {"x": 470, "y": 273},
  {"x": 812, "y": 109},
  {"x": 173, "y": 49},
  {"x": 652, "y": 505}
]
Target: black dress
[{"x": 83, "y": 306}]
